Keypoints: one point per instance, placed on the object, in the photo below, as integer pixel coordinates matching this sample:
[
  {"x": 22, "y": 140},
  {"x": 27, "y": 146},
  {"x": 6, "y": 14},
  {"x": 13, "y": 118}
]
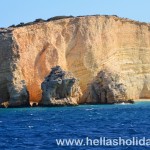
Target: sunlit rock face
[
  {"x": 60, "y": 88},
  {"x": 82, "y": 45},
  {"x": 106, "y": 88}
]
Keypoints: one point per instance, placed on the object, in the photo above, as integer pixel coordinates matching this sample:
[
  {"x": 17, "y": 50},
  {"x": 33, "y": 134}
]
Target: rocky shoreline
[
  {"x": 64, "y": 105},
  {"x": 111, "y": 65},
  {"x": 62, "y": 88}
]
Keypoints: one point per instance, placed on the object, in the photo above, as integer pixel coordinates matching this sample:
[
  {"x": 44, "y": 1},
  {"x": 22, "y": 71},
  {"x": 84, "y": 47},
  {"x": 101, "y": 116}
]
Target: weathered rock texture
[
  {"x": 60, "y": 88},
  {"x": 82, "y": 45},
  {"x": 18, "y": 94},
  {"x": 106, "y": 88}
]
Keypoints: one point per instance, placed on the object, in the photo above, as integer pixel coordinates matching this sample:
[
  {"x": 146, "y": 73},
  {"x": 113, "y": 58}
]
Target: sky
[{"x": 16, "y": 11}]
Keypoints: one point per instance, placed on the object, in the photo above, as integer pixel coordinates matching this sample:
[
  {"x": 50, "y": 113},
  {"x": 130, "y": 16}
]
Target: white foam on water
[
  {"x": 123, "y": 103},
  {"x": 30, "y": 127},
  {"x": 89, "y": 109},
  {"x": 38, "y": 119}
]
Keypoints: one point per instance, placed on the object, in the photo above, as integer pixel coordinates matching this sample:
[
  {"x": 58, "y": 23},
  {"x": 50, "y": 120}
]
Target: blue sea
[{"x": 39, "y": 128}]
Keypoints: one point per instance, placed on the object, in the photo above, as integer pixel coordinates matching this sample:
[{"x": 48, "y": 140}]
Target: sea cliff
[{"x": 84, "y": 45}]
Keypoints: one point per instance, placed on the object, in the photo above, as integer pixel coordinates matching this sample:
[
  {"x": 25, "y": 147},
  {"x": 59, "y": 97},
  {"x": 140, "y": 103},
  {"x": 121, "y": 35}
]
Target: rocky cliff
[
  {"x": 106, "y": 88},
  {"x": 82, "y": 45},
  {"x": 60, "y": 88}
]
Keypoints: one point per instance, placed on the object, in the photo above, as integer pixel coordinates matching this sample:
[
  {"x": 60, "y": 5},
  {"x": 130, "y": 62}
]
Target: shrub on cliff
[
  {"x": 21, "y": 24},
  {"x": 39, "y": 20},
  {"x": 59, "y": 17}
]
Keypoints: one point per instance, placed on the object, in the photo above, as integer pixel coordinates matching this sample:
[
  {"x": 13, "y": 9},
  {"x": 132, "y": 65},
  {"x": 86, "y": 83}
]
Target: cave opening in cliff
[
  {"x": 4, "y": 96},
  {"x": 145, "y": 92}
]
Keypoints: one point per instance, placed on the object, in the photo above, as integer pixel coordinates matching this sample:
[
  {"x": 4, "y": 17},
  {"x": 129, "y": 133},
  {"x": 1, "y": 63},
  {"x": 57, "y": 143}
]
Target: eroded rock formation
[
  {"x": 18, "y": 95},
  {"x": 60, "y": 88},
  {"x": 106, "y": 88},
  {"x": 82, "y": 45}
]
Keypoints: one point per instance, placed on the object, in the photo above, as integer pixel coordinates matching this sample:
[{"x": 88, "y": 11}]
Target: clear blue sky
[{"x": 16, "y": 11}]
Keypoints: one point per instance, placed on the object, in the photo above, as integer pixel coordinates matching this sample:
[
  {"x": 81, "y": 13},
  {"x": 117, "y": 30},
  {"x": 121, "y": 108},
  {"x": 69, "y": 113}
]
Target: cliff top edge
[{"x": 56, "y": 18}]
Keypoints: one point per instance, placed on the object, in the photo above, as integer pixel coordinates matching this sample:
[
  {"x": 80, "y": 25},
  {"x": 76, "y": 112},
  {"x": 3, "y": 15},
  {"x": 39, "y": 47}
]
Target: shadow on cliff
[
  {"x": 106, "y": 88},
  {"x": 145, "y": 93}
]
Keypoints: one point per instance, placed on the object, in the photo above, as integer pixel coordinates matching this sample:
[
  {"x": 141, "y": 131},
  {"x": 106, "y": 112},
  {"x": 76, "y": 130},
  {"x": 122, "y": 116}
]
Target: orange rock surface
[{"x": 82, "y": 45}]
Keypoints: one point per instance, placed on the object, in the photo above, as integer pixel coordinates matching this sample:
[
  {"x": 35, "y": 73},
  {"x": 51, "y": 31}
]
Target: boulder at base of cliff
[
  {"x": 60, "y": 88},
  {"x": 106, "y": 88},
  {"x": 18, "y": 95}
]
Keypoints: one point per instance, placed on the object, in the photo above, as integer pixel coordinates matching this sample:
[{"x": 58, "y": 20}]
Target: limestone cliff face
[
  {"x": 82, "y": 45},
  {"x": 105, "y": 89},
  {"x": 60, "y": 88}
]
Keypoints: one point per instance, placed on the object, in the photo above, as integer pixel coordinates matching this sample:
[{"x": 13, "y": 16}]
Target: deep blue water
[{"x": 38, "y": 128}]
